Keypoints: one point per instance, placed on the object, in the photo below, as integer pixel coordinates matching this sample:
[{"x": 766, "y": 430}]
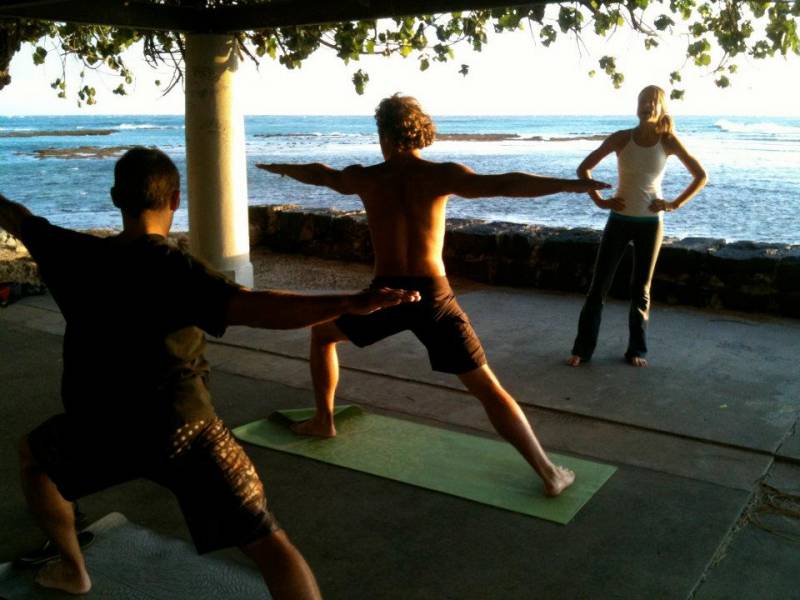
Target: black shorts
[
  {"x": 437, "y": 320},
  {"x": 216, "y": 484}
]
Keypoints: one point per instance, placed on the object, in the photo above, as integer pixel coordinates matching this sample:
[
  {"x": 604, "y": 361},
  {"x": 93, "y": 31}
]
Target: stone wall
[{"x": 701, "y": 272}]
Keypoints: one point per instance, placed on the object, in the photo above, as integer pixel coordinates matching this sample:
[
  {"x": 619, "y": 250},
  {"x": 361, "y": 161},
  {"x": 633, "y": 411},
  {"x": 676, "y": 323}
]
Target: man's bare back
[{"x": 405, "y": 199}]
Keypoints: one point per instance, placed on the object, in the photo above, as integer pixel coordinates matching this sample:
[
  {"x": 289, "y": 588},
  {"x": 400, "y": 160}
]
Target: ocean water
[{"x": 753, "y": 165}]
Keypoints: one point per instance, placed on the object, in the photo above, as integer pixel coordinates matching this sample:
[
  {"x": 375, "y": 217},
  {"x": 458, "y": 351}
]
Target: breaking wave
[
  {"x": 148, "y": 126},
  {"x": 757, "y": 128}
]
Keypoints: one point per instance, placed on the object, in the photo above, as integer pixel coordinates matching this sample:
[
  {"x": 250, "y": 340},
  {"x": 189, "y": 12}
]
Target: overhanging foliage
[{"x": 717, "y": 33}]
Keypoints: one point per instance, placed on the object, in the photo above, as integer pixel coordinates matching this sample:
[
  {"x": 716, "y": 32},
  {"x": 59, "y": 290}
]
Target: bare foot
[
  {"x": 636, "y": 361},
  {"x": 561, "y": 479},
  {"x": 314, "y": 427},
  {"x": 58, "y": 575},
  {"x": 574, "y": 361}
]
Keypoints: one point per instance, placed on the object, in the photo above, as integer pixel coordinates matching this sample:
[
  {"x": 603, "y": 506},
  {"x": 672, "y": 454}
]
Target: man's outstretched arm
[
  {"x": 344, "y": 181},
  {"x": 12, "y": 215},
  {"x": 271, "y": 309},
  {"x": 464, "y": 182}
]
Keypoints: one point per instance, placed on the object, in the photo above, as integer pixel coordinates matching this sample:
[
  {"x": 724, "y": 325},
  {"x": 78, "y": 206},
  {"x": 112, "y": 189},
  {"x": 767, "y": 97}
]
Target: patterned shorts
[{"x": 216, "y": 484}]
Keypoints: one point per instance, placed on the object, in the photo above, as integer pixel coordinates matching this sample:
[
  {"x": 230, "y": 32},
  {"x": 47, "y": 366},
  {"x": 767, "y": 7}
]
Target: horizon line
[{"x": 434, "y": 115}]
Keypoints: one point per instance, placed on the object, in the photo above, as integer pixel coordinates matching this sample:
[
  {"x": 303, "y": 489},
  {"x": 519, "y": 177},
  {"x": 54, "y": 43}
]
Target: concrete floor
[{"x": 698, "y": 438}]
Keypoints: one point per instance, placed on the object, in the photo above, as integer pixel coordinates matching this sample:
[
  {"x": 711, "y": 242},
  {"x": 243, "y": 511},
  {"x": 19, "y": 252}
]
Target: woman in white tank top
[{"x": 636, "y": 212}]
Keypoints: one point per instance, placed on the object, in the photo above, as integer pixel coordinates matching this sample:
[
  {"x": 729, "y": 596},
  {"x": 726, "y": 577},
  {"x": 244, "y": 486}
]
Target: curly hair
[{"x": 404, "y": 124}]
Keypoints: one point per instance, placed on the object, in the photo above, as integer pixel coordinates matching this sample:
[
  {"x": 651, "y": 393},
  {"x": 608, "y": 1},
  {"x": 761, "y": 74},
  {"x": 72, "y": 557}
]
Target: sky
[{"x": 513, "y": 75}]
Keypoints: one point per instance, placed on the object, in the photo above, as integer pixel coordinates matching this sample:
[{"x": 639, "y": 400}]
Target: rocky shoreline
[
  {"x": 81, "y": 152},
  {"x": 701, "y": 272},
  {"x": 24, "y": 133}
]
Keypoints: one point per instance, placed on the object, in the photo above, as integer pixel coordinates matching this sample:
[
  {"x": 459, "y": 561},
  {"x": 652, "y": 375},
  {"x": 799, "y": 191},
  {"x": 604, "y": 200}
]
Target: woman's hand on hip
[
  {"x": 659, "y": 204},
  {"x": 615, "y": 203}
]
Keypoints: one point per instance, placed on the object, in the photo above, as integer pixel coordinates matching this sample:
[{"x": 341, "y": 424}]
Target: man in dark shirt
[{"x": 134, "y": 387}]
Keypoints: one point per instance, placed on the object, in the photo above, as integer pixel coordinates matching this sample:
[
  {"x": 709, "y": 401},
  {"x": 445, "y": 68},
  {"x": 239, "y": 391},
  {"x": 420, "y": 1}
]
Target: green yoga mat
[{"x": 467, "y": 466}]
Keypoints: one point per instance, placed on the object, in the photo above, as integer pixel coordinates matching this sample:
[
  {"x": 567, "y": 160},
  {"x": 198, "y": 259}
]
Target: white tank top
[{"x": 640, "y": 171}]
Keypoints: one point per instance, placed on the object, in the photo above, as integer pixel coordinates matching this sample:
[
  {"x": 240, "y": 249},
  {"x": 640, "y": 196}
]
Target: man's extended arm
[
  {"x": 464, "y": 182},
  {"x": 12, "y": 215},
  {"x": 343, "y": 181},
  {"x": 272, "y": 309}
]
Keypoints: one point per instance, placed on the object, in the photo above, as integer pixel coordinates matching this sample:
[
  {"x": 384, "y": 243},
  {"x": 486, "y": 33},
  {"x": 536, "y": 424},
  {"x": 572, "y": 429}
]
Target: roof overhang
[{"x": 193, "y": 17}]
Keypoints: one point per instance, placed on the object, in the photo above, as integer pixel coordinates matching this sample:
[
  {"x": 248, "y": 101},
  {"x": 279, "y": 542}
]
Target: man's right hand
[
  {"x": 587, "y": 185},
  {"x": 371, "y": 300},
  {"x": 271, "y": 167}
]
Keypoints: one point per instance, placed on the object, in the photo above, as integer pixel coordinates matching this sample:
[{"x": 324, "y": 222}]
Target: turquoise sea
[{"x": 753, "y": 165}]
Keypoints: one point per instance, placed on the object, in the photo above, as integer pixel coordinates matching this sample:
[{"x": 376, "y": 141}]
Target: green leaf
[
  {"x": 39, "y": 55},
  {"x": 723, "y": 82},
  {"x": 360, "y": 79},
  {"x": 662, "y": 22},
  {"x": 547, "y": 35}
]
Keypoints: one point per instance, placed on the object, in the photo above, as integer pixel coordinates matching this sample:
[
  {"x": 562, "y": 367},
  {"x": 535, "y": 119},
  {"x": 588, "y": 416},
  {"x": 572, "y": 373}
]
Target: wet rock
[
  {"x": 81, "y": 152},
  {"x": 20, "y": 270}
]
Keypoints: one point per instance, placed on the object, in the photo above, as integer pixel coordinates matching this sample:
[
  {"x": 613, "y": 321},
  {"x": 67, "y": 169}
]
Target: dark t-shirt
[{"x": 135, "y": 313}]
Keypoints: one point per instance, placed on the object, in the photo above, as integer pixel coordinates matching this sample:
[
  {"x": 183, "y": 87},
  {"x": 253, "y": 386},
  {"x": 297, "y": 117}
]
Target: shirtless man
[{"x": 405, "y": 198}]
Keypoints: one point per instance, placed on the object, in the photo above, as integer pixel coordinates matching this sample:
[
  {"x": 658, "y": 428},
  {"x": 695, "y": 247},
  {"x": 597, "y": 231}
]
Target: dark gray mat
[{"x": 129, "y": 562}]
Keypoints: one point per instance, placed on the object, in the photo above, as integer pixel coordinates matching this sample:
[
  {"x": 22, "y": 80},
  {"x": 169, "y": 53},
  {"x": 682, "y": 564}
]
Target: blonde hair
[
  {"x": 403, "y": 123},
  {"x": 665, "y": 123}
]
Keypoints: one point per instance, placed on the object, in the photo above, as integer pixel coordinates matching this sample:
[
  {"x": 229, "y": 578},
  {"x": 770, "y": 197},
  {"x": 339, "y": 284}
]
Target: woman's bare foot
[
  {"x": 315, "y": 427},
  {"x": 636, "y": 361},
  {"x": 61, "y": 576},
  {"x": 574, "y": 361},
  {"x": 560, "y": 480}
]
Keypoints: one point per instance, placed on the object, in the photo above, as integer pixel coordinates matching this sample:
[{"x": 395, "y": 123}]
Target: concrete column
[{"x": 215, "y": 157}]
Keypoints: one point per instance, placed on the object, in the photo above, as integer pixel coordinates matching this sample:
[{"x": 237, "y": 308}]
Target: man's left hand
[{"x": 371, "y": 300}]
